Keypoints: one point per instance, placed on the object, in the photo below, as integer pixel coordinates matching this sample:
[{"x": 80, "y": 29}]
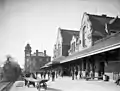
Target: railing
[{"x": 5, "y": 86}]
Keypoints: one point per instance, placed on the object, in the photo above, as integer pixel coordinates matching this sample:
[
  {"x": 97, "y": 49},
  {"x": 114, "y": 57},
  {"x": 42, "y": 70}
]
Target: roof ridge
[
  {"x": 69, "y": 30},
  {"x": 107, "y": 37},
  {"x": 103, "y": 15},
  {"x": 113, "y": 20}
]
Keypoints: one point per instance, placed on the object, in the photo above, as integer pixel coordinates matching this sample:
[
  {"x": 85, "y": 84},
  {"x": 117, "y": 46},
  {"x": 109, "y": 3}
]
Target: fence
[{"x": 5, "y": 86}]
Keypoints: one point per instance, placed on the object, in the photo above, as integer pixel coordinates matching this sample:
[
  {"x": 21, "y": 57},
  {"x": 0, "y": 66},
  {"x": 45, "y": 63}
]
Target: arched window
[
  {"x": 74, "y": 46},
  {"x": 84, "y": 45}
]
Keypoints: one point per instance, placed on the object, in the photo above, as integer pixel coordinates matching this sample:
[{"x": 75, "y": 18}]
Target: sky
[{"x": 37, "y": 22}]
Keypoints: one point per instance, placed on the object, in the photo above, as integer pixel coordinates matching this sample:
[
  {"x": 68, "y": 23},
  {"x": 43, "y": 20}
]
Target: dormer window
[
  {"x": 89, "y": 36},
  {"x": 73, "y": 46}
]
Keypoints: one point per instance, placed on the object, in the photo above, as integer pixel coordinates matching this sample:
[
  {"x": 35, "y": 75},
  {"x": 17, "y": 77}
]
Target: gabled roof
[
  {"x": 114, "y": 23},
  {"x": 114, "y": 20},
  {"x": 109, "y": 43},
  {"x": 98, "y": 23},
  {"x": 67, "y": 35}
]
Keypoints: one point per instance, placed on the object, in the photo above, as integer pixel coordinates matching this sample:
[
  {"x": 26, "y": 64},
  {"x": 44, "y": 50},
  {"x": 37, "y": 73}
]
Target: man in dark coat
[
  {"x": 118, "y": 81},
  {"x": 48, "y": 74},
  {"x": 44, "y": 74},
  {"x": 53, "y": 75},
  {"x": 72, "y": 72},
  {"x": 76, "y": 73},
  {"x": 41, "y": 74},
  {"x": 26, "y": 75}
]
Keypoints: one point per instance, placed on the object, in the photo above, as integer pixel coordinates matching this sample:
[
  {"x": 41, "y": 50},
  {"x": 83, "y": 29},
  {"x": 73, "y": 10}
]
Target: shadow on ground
[{"x": 53, "y": 89}]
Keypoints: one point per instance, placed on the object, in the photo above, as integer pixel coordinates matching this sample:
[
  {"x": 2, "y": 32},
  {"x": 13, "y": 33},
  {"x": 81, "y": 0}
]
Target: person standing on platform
[
  {"x": 41, "y": 75},
  {"x": 44, "y": 74},
  {"x": 48, "y": 74},
  {"x": 56, "y": 73},
  {"x": 62, "y": 73},
  {"x": 80, "y": 72},
  {"x": 76, "y": 73},
  {"x": 72, "y": 72},
  {"x": 53, "y": 75}
]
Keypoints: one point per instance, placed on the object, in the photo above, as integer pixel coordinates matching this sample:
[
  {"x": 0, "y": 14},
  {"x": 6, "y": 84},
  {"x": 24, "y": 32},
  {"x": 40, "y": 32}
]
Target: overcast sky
[{"x": 37, "y": 21}]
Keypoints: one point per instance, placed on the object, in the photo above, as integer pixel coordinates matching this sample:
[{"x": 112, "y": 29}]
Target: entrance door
[{"x": 101, "y": 70}]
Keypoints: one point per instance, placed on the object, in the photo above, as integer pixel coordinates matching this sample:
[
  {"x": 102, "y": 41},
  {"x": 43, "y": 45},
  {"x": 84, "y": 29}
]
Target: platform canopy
[
  {"x": 45, "y": 66},
  {"x": 106, "y": 44}
]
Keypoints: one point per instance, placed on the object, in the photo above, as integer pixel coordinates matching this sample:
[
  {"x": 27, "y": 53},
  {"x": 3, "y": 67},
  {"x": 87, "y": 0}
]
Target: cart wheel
[
  {"x": 38, "y": 87},
  {"x": 119, "y": 83},
  {"x": 28, "y": 85},
  {"x": 45, "y": 86}
]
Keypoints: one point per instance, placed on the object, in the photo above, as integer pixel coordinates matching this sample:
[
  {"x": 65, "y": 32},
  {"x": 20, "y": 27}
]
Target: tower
[{"x": 27, "y": 57}]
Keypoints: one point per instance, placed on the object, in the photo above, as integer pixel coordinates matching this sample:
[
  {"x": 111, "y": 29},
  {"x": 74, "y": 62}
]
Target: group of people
[
  {"x": 49, "y": 74},
  {"x": 42, "y": 75},
  {"x": 75, "y": 72}
]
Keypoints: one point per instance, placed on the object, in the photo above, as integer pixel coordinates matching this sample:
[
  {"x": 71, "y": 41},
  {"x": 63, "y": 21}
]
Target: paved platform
[{"x": 67, "y": 84}]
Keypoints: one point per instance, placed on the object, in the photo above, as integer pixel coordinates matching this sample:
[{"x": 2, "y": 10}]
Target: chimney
[
  {"x": 104, "y": 15},
  {"x": 44, "y": 52},
  {"x": 36, "y": 52}
]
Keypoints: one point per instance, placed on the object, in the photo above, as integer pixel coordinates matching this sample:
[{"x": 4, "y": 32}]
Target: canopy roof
[{"x": 103, "y": 45}]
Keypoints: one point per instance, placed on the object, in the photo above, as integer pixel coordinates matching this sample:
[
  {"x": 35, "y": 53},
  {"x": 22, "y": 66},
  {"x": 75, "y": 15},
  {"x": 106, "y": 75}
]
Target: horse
[{"x": 28, "y": 83}]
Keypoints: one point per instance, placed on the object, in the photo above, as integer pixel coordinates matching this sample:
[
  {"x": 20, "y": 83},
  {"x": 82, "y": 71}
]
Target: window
[
  {"x": 86, "y": 37},
  {"x": 27, "y": 54},
  {"x": 71, "y": 47},
  {"x": 83, "y": 36},
  {"x": 89, "y": 36},
  {"x": 85, "y": 43},
  {"x": 27, "y": 59},
  {"x": 74, "y": 46},
  {"x": 47, "y": 59}
]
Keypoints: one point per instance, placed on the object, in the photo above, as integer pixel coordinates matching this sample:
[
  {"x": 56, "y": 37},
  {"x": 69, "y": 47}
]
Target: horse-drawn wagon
[{"x": 41, "y": 83}]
